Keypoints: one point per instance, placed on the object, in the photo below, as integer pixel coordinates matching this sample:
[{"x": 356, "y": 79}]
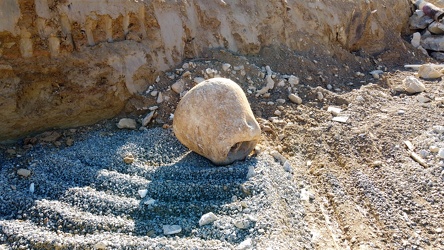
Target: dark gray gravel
[{"x": 86, "y": 197}]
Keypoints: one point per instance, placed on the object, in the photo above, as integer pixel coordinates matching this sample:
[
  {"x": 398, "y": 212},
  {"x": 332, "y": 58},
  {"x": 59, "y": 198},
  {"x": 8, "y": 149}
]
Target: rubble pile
[{"x": 428, "y": 23}]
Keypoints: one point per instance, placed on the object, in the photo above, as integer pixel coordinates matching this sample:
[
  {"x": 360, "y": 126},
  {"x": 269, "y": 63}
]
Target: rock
[
  {"x": 159, "y": 97},
  {"x": 295, "y": 99},
  {"x": 280, "y": 158},
  {"x": 32, "y": 188},
  {"x": 438, "y": 129},
  {"x": 226, "y": 66},
  {"x": 171, "y": 229},
  {"x": 341, "y": 119},
  {"x": 178, "y": 86},
  {"x": 128, "y": 159},
  {"x": 441, "y": 153},
  {"x": 435, "y": 43},
  {"x": 416, "y": 39},
  {"x": 100, "y": 245},
  {"x": 293, "y": 80},
  {"x": 214, "y": 119},
  {"x": 429, "y": 71},
  {"x": 199, "y": 79},
  {"x": 69, "y": 142},
  {"x": 423, "y": 99},
  {"x": 143, "y": 193},
  {"x": 148, "y": 118},
  {"x": 207, "y": 219},
  {"x": 320, "y": 96},
  {"x": 434, "y": 149},
  {"x": 24, "y": 172},
  {"x": 419, "y": 21},
  {"x": 288, "y": 167},
  {"x": 270, "y": 85},
  {"x": 438, "y": 55},
  {"x": 436, "y": 28},
  {"x": 412, "y": 85},
  {"x": 50, "y": 136},
  {"x": 278, "y": 112},
  {"x": 334, "y": 110},
  {"x": 246, "y": 244},
  {"x": 127, "y": 123},
  {"x": 242, "y": 224},
  {"x": 305, "y": 195},
  {"x": 376, "y": 73},
  {"x": 149, "y": 202}
]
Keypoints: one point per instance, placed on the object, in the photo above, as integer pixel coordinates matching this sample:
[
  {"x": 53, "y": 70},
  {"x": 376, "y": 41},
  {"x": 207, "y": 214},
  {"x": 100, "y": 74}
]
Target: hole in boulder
[{"x": 240, "y": 150}]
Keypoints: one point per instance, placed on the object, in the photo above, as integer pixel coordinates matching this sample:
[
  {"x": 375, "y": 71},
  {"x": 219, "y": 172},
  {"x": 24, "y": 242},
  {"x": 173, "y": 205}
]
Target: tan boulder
[{"x": 214, "y": 119}]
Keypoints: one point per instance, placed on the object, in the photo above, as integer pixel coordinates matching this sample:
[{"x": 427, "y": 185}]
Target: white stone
[
  {"x": 416, "y": 40},
  {"x": 281, "y": 101},
  {"x": 295, "y": 99},
  {"x": 334, "y": 110},
  {"x": 171, "y": 229},
  {"x": 293, "y": 80},
  {"x": 422, "y": 99},
  {"x": 143, "y": 193},
  {"x": 441, "y": 153},
  {"x": 278, "y": 112},
  {"x": 305, "y": 195},
  {"x": 24, "y": 172},
  {"x": 226, "y": 66},
  {"x": 150, "y": 202},
  {"x": 242, "y": 224},
  {"x": 32, "y": 188},
  {"x": 148, "y": 118},
  {"x": 434, "y": 149},
  {"x": 413, "y": 85},
  {"x": 429, "y": 71},
  {"x": 376, "y": 73},
  {"x": 100, "y": 245},
  {"x": 320, "y": 96},
  {"x": 159, "y": 98},
  {"x": 438, "y": 129},
  {"x": 278, "y": 156},
  {"x": 246, "y": 244},
  {"x": 127, "y": 123},
  {"x": 207, "y": 219},
  {"x": 251, "y": 172},
  {"x": 198, "y": 79},
  {"x": 288, "y": 167},
  {"x": 178, "y": 86},
  {"x": 342, "y": 119},
  {"x": 281, "y": 83},
  {"x": 268, "y": 86},
  {"x": 154, "y": 93}
]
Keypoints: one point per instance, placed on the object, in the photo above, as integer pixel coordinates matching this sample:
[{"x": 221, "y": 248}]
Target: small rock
[
  {"x": 50, "y": 136},
  {"x": 226, "y": 66},
  {"x": 143, "y": 193},
  {"x": 278, "y": 157},
  {"x": 157, "y": 79},
  {"x": 178, "y": 86},
  {"x": 288, "y": 167},
  {"x": 434, "y": 149},
  {"x": 423, "y": 99},
  {"x": 242, "y": 224},
  {"x": 416, "y": 40},
  {"x": 148, "y": 118},
  {"x": 127, "y": 123},
  {"x": 32, "y": 188},
  {"x": 413, "y": 85},
  {"x": 376, "y": 73},
  {"x": 320, "y": 96},
  {"x": 281, "y": 83},
  {"x": 295, "y": 99},
  {"x": 150, "y": 202},
  {"x": 69, "y": 142},
  {"x": 251, "y": 172},
  {"x": 207, "y": 219},
  {"x": 436, "y": 28},
  {"x": 246, "y": 244},
  {"x": 128, "y": 159},
  {"x": 293, "y": 80},
  {"x": 159, "y": 98},
  {"x": 429, "y": 71},
  {"x": 305, "y": 195},
  {"x": 438, "y": 230},
  {"x": 438, "y": 55},
  {"x": 281, "y": 101},
  {"x": 341, "y": 119},
  {"x": 334, "y": 110},
  {"x": 198, "y": 80},
  {"x": 401, "y": 112},
  {"x": 438, "y": 129},
  {"x": 171, "y": 229},
  {"x": 441, "y": 153},
  {"x": 154, "y": 93},
  {"x": 24, "y": 172},
  {"x": 278, "y": 112},
  {"x": 100, "y": 245}
]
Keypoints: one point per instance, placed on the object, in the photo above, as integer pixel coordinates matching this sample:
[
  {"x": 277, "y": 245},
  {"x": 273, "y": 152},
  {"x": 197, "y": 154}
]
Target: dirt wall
[{"x": 66, "y": 63}]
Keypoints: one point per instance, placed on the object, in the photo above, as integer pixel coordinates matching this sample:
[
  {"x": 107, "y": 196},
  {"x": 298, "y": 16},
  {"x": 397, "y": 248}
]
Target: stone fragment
[
  {"x": 434, "y": 149},
  {"x": 436, "y": 28},
  {"x": 423, "y": 99},
  {"x": 24, "y": 172},
  {"x": 295, "y": 99},
  {"x": 320, "y": 96},
  {"x": 441, "y": 153},
  {"x": 429, "y": 71},
  {"x": 278, "y": 157},
  {"x": 341, "y": 119},
  {"x": 32, "y": 188},
  {"x": 159, "y": 97},
  {"x": 288, "y": 167},
  {"x": 242, "y": 224},
  {"x": 149, "y": 202},
  {"x": 416, "y": 39},
  {"x": 246, "y": 244},
  {"x": 207, "y": 219},
  {"x": 146, "y": 120},
  {"x": 69, "y": 142},
  {"x": 438, "y": 55},
  {"x": 50, "y": 136},
  {"x": 376, "y": 73},
  {"x": 127, "y": 123},
  {"x": 413, "y": 85},
  {"x": 100, "y": 245},
  {"x": 435, "y": 43},
  {"x": 419, "y": 21},
  {"x": 438, "y": 129},
  {"x": 334, "y": 110},
  {"x": 226, "y": 66},
  {"x": 293, "y": 80},
  {"x": 214, "y": 119},
  {"x": 171, "y": 229},
  {"x": 178, "y": 86},
  {"x": 198, "y": 79},
  {"x": 143, "y": 193},
  {"x": 128, "y": 159}
]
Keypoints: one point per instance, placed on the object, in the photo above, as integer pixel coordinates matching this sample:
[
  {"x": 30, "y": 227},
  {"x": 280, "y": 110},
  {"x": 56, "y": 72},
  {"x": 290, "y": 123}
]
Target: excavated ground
[{"x": 351, "y": 185}]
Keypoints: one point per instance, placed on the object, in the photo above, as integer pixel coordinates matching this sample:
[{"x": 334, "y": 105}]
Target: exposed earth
[{"x": 367, "y": 176}]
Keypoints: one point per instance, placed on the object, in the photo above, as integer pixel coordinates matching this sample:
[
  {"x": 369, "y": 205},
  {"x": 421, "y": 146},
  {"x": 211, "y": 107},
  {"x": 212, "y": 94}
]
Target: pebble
[
  {"x": 295, "y": 99},
  {"x": 429, "y": 71},
  {"x": 198, "y": 79},
  {"x": 143, "y": 193},
  {"x": 288, "y": 167},
  {"x": 146, "y": 120},
  {"x": 434, "y": 149},
  {"x": 305, "y": 195},
  {"x": 342, "y": 119},
  {"x": 100, "y": 245},
  {"x": 226, "y": 66},
  {"x": 334, "y": 110},
  {"x": 376, "y": 73},
  {"x": 280, "y": 101},
  {"x": 413, "y": 85},
  {"x": 171, "y": 229},
  {"x": 242, "y": 224},
  {"x": 159, "y": 98},
  {"x": 441, "y": 153},
  {"x": 422, "y": 99},
  {"x": 128, "y": 159},
  {"x": 178, "y": 86},
  {"x": 207, "y": 219},
  {"x": 293, "y": 80},
  {"x": 127, "y": 123},
  {"x": 438, "y": 129},
  {"x": 69, "y": 142},
  {"x": 281, "y": 83},
  {"x": 150, "y": 202},
  {"x": 320, "y": 96},
  {"x": 246, "y": 244},
  {"x": 278, "y": 112},
  {"x": 32, "y": 188},
  {"x": 416, "y": 40},
  {"x": 401, "y": 112},
  {"x": 154, "y": 93},
  {"x": 24, "y": 172}
]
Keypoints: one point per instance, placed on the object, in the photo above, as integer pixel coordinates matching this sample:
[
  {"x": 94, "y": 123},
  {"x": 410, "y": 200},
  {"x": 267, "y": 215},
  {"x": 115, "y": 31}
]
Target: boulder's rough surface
[
  {"x": 214, "y": 119},
  {"x": 71, "y": 63}
]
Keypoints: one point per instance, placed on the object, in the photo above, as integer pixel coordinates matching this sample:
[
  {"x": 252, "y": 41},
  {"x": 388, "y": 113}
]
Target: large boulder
[{"x": 214, "y": 119}]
